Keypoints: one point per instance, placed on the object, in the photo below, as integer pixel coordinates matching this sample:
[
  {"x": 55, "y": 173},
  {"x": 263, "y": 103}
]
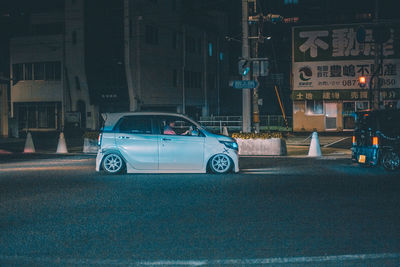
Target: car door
[
  {"x": 137, "y": 142},
  {"x": 180, "y": 152}
]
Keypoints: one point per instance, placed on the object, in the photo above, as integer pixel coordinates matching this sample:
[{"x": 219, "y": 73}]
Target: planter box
[{"x": 262, "y": 147}]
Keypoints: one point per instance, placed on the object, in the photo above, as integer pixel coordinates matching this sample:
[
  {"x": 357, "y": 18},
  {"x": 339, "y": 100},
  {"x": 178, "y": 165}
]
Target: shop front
[
  {"x": 335, "y": 75},
  {"x": 335, "y": 110}
]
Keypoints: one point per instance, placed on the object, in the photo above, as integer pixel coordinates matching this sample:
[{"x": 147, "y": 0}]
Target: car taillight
[
  {"x": 354, "y": 141},
  {"x": 99, "y": 139},
  {"x": 375, "y": 141}
]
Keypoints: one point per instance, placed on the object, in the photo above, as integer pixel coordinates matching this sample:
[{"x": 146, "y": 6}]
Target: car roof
[{"x": 110, "y": 119}]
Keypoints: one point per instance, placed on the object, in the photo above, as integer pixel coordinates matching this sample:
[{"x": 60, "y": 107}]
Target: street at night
[
  {"x": 278, "y": 211},
  {"x": 200, "y": 133}
]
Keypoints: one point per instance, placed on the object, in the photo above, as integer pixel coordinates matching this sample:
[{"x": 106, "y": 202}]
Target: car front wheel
[
  {"x": 391, "y": 160},
  {"x": 113, "y": 163},
  {"x": 220, "y": 163}
]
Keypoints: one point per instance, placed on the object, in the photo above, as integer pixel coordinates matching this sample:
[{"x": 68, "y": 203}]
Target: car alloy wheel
[
  {"x": 113, "y": 163},
  {"x": 391, "y": 160},
  {"x": 220, "y": 163}
]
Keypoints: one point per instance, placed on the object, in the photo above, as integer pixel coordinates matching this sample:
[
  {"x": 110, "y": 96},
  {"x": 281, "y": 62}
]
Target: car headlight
[{"x": 230, "y": 144}]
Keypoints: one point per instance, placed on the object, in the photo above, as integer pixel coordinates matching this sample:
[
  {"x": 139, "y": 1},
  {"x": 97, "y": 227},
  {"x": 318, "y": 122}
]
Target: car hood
[{"x": 220, "y": 137}]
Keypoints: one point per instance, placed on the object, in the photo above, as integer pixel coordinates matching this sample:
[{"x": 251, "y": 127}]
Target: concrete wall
[{"x": 75, "y": 64}]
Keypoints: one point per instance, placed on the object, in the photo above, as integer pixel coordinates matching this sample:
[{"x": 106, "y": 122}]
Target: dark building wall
[{"x": 104, "y": 50}]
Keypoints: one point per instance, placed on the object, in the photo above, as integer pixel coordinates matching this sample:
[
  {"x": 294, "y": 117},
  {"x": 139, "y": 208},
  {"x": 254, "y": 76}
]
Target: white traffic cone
[
  {"x": 315, "y": 149},
  {"x": 225, "y": 131},
  {"x": 62, "y": 146},
  {"x": 29, "y": 147}
]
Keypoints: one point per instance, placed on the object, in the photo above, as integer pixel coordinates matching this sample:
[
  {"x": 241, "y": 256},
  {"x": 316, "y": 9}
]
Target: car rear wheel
[
  {"x": 391, "y": 160},
  {"x": 220, "y": 163},
  {"x": 113, "y": 163}
]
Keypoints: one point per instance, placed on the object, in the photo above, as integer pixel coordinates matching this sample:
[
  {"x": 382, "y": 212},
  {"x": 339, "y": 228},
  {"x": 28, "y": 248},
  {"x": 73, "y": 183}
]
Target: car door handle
[{"x": 166, "y": 139}]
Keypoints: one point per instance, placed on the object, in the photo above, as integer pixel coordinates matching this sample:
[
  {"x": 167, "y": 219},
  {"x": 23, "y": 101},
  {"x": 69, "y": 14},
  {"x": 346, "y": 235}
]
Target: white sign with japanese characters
[
  {"x": 331, "y": 57},
  {"x": 344, "y": 74}
]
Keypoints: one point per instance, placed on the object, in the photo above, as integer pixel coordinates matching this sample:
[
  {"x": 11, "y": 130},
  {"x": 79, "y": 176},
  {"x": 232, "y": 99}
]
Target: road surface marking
[{"x": 239, "y": 262}]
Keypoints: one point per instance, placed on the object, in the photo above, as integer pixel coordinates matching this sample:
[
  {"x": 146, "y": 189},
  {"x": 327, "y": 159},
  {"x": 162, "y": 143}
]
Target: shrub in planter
[{"x": 269, "y": 144}]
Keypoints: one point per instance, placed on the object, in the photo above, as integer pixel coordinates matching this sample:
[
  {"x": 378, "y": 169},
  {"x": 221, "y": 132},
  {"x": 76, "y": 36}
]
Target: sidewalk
[
  {"x": 43, "y": 144},
  {"x": 297, "y": 144}
]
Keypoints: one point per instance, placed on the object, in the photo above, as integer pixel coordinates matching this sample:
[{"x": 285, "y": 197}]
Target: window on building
[
  {"x": 28, "y": 71},
  {"x": 130, "y": 29},
  {"x": 77, "y": 83},
  {"x": 40, "y": 115},
  {"x": 50, "y": 71},
  {"x": 151, "y": 34},
  {"x": 190, "y": 44},
  {"x": 362, "y": 105},
  {"x": 74, "y": 37},
  {"x": 211, "y": 81},
  {"x": 53, "y": 71},
  {"x": 291, "y": 2},
  {"x": 199, "y": 46},
  {"x": 18, "y": 71},
  {"x": 210, "y": 49},
  {"x": 174, "y": 40},
  {"x": 47, "y": 28},
  {"x": 193, "y": 79},
  {"x": 38, "y": 71},
  {"x": 175, "y": 77},
  {"x": 314, "y": 107}
]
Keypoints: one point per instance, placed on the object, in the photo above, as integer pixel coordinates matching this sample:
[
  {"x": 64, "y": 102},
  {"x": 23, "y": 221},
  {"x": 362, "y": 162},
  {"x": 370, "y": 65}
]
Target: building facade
[
  {"x": 327, "y": 62},
  {"x": 111, "y": 56}
]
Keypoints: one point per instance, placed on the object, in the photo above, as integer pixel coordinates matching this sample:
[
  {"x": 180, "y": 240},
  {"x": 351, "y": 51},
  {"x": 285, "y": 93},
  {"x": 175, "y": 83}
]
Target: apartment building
[{"x": 110, "y": 56}]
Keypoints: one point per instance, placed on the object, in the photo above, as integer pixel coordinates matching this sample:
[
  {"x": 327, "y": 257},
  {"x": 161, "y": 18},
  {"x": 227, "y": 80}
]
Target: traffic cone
[
  {"x": 62, "y": 146},
  {"x": 315, "y": 149},
  {"x": 225, "y": 131},
  {"x": 29, "y": 147}
]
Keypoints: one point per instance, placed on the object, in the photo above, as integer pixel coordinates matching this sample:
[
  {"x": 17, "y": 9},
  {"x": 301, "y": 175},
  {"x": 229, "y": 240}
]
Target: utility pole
[
  {"x": 377, "y": 61},
  {"x": 256, "y": 113},
  {"x": 183, "y": 69},
  {"x": 246, "y": 96}
]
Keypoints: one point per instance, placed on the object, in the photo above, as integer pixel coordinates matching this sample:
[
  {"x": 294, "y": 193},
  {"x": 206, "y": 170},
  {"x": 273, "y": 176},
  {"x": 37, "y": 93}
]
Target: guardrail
[{"x": 234, "y": 123}]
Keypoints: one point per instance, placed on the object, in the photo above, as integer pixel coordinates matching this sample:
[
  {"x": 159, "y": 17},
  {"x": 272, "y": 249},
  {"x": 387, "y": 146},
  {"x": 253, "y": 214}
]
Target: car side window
[
  {"x": 135, "y": 125},
  {"x": 177, "y": 126}
]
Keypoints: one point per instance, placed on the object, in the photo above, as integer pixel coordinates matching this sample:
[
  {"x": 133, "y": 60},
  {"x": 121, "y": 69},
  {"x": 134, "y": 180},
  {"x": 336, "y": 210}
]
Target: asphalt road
[{"x": 276, "y": 212}]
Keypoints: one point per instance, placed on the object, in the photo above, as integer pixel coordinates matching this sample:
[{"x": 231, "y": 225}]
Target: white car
[{"x": 149, "y": 142}]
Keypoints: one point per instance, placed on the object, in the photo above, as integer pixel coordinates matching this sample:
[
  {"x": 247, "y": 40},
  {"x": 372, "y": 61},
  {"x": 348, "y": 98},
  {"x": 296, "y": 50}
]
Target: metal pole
[
  {"x": 218, "y": 75},
  {"x": 138, "y": 64},
  {"x": 377, "y": 62},
  {"x": 246, "y": 95},
  {"x": 256, "y": 112},
  {"x": 183, "y": 69},
  {"x": 205, "y": 111},
  {"x": 127, "y": 57}
]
